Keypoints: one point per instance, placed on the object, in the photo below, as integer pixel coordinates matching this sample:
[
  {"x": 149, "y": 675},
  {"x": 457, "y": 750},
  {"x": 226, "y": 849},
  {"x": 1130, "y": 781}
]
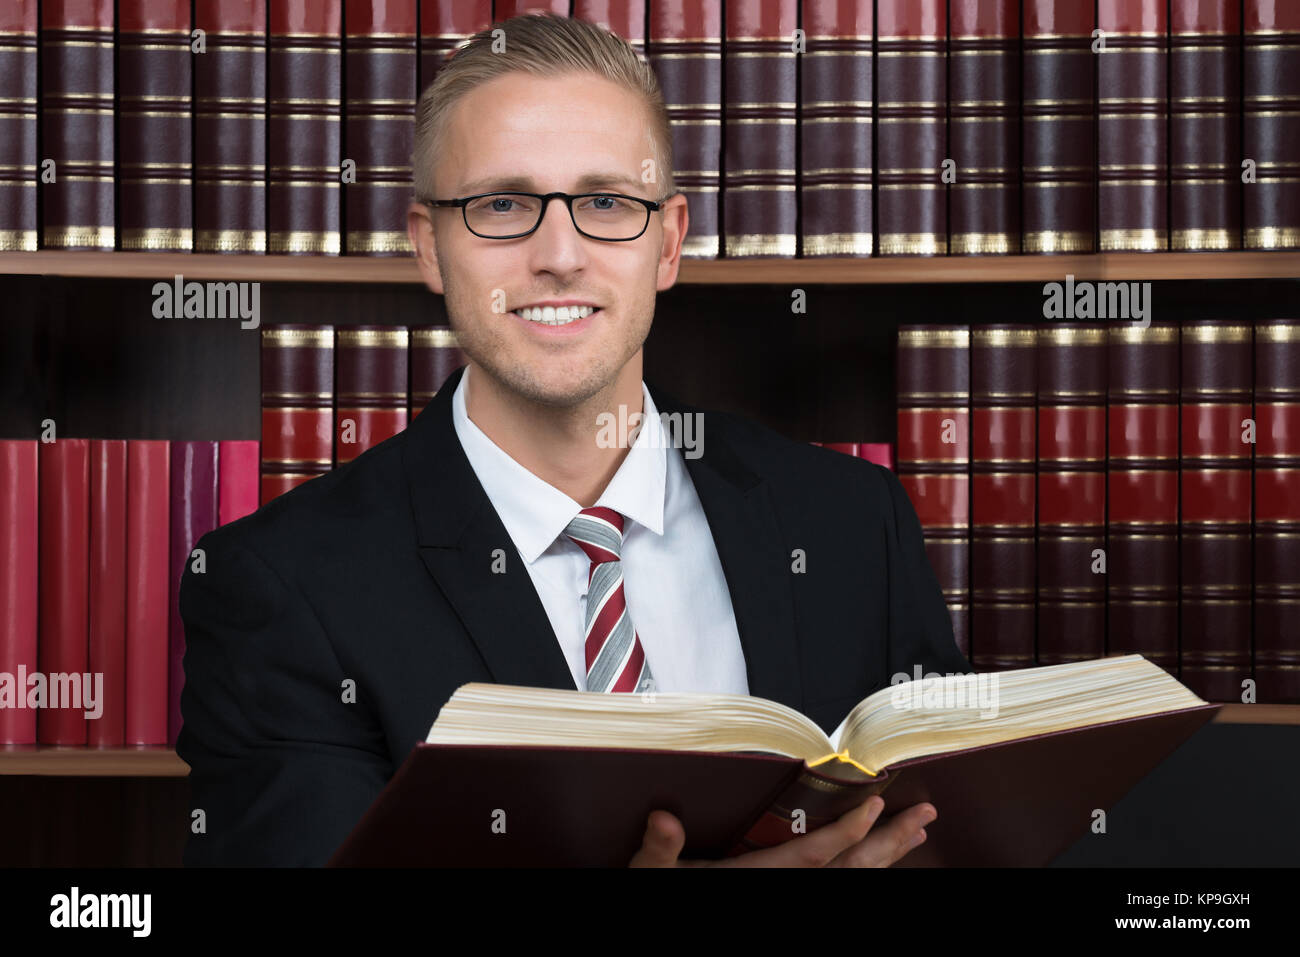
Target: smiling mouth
[{"x": 555, "y": 316}]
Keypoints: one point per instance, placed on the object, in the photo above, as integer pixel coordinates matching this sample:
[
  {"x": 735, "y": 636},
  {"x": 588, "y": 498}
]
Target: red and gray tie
[{"x": 615, "y": 659}]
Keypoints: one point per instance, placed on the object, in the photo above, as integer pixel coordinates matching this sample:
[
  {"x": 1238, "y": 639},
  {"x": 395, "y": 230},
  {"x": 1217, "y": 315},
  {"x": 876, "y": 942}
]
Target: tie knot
[{"x": 598, "y": 531}]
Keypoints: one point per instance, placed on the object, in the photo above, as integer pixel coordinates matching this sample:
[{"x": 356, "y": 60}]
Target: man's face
[{"x": 538, "y": 135}]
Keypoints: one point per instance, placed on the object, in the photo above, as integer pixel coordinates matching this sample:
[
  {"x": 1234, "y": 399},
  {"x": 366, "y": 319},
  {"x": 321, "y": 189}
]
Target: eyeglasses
[{"x": 610, "y": 217}]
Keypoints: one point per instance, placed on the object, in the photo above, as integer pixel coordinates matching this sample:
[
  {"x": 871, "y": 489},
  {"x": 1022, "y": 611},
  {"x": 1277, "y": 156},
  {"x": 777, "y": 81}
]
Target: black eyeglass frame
[{"x": 651, "y": 207}]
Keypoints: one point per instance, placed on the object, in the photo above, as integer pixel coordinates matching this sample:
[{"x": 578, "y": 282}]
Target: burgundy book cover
[
  {"x": 1057, "y": 119},
  {"x": 1215, "y": 591},
  {"x": 1142, "y": 492},
  {"x": 371, "y": 367},
  {"x": 759, "y": 203},
  {"x": 1277, "y": 510},
  {"x": 685, "y": 48},
  {"x": 1004, "y": 384},
  {"x": 107, "y": 614},
  {"x": 1071, "y": 492},
  {"x": 64, "y": 473},
  {"x": 230, "y": 127},
  {"x": 18, "y": 112},
  {"x": 882, "y": 453},
  {"x": 193, "y": 514},
  {"x": 1271, "y": 123},
  {"x": 148, "y": 517},
  {"x": 155, "y": 162},
  {"x": 304, "y": 76},
  {"x": 835, "y": 129},
  {"x": 77, "y": 124},
  {"x": 933, "y": 375},
  {"x": 238, "y": 462},
  {"x": 587, "y": 807},
  {"x": 434, "y": 356},
  {"x": 19, "y": 591},
  {"x": 443, "y": 25},
  {"x": 984, "y": 126},
  {"x": 381, "y": 73},
  {"x": 911, "y": 127},
  {"x": 1205, "y": 124},
  {"x": 297, "y": 406}
]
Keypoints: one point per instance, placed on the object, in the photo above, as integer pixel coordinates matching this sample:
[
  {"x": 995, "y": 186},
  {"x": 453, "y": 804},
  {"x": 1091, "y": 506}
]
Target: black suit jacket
[{"x": 332, "y": 624}]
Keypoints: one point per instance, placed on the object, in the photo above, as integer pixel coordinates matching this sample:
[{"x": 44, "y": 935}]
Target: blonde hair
[{"x": 547, "y": 45}]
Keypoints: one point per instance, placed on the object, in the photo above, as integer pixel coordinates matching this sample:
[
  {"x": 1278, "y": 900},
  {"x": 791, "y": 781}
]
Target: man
[{"x": 461, "y": 550}]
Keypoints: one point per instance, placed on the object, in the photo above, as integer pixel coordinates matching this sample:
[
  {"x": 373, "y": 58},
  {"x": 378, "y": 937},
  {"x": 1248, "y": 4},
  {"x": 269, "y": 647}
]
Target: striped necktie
[{"x": 615, "y": 659}]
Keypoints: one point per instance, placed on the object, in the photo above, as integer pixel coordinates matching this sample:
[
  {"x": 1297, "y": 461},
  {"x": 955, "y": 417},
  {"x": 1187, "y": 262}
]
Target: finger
[
  {"x": 818, "y": 847},
  {"x": 663, "y": 841},
  {"x": 891, "y": 840}
]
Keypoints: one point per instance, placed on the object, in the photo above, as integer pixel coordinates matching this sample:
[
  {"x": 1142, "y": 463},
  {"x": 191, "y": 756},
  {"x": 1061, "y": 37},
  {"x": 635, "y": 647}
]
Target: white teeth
[{"x": 551, "y": 316}]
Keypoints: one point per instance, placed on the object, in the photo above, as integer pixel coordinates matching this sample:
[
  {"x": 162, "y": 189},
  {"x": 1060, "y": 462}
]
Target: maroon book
[
  {"x": 19, "y": 591},
  {"x": 297, "y": 406},
  {"x": 443, "y": 25},
  {"x": 1271, "y": 123},
  {"x": 434, "y": 356},
  {"x": 107, "y": 612},
  {"x": 371, "y": 369},
  {"x": 193, "y": 514},
  {"x": 148, "y": 520},
  {"x": 18, "y": 112}
]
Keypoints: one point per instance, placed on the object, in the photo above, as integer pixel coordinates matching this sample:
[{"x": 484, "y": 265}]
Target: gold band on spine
[
  {"x": 378, "y": 241},
  {"x": 230, "y": 240},
  {"x": 1057, "y": 242},
  {"x": 17, "y": 240},
  {"x": 1129, "y": 239},
  {"x": 437, "y": 337},
  {"x": 934, "y": 338},
  {"x": 276, "y": 336},
  {"x": 156, "y": 238},
  {"x": 1201, "y": 239},
  {"x": 304, "y": 241},
  {"x": 985, "y": 336},
  {"x": 1277, "y": 332},
  {"x": 1272, "y": 237},
  {"x": 912, "y": 244},
  {"x": 1216, "y": 334},
  {"x": 1134, "y": 335},
  {"x": 97, "y": 237},
  {"x": 1072, "y": 336},
  {"x": 366, "y": 338}
]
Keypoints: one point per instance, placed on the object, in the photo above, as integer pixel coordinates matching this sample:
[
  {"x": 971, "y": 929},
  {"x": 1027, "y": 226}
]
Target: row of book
[
  {"x": 1109, "y": 488},
  {"x": 800, "y": 127},
  {"x": 95, "y": 535}
]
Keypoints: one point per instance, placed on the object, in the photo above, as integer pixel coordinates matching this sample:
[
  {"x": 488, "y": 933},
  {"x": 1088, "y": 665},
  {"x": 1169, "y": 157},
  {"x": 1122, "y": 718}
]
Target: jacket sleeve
[{"x": 281, "y": 765}]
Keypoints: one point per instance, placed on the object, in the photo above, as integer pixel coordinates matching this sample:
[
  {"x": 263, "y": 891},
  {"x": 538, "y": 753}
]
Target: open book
[{"x": 1015, "y": 762}]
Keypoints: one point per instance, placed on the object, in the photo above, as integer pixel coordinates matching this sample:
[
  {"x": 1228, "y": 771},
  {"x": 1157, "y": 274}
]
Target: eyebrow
[{"x": 529, "y": 185}]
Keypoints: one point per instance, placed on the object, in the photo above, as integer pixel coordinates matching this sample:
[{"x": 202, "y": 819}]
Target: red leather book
[
  {"x": 304, "y": 74},
  {"x": 237, "y": 464},
  {"x": 297, "y": 406},
  {"x": 434, "y": 356},
  {"x": 64, "y": 603},
  {"x": 193, "y": 515},
  {"x": 1277, "y": 510},
  {"x": 835, "y": 129},
  {"x": 77, "y": 124},
  {"x": 882, "y": 453},
  {"x": 443, "y": 25},
  {"x": 1142, "y": 492},
  {"x": 230, "y": 127},
  {"x": 759, "y": 203},
  {"x": 19, "y": 593},
  {"x": 984, "y": 126},
  {"x": 155, "y": 162},
  {"x": 911, "y": 127},
  {"x": 685, "y": 48},
  {"x": 381, "y": 76},
  {"x": 18, "y": 110},
  {"x": 1215, "y": 490},
  {"x": 1271, "y": 123},
  {"x": 107, "y": 613},
  {"x": 371, "y": 368},
  {"x": 933, "y": 374},
  {"x": 1205, "y": 124},
  {"x": 1004, "y": 376},
  {"x": 148, "y": 475},
  {"x": 1071, "y": 491},
  {"x": 1058, "y": 114}
]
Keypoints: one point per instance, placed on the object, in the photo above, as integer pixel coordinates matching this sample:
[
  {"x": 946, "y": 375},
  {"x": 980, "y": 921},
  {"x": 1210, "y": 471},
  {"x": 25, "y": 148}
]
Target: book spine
[
  {"x": 380, "y": 70},
  {"x": 882, "y": 453},
  {"x": 933, "y": 374},
  {"x": 1277, "y": 510},
  {"x": 18, "y": 111},
  {"x": 193, "y": 514},
  {"x": 443, "y": 25},
  {"x": 106, "y": 650},
  {"x": 1215, "y": 485},
  {"x": 1271, "y": 124},
  {"x": 147, "y": 589},
  {"x": 77, "y": 124},
  {"x": 984, "y": 126},
  {"x": 297, "y": 406},
  {"x": 1071, "y": 492},
  {"x": 238, "y": 462},
  {"x": 835, "y": 130},
  {"x": 19, "y": 585},
  {"x": 1003, "y": 379},
  {"x": 1142, "y": 492},
  {"x": 434, "y": 356},
  {"x": 1057, "y": 114},
  {"x": 911, "y": 127},
  {"x": 1205, "y": 124},
  {"x": 372, "y": 367},
  {"x": 230, "y": 127},
  {"x": 64, "y": 468},
  {"x": 155, "y": 163}
]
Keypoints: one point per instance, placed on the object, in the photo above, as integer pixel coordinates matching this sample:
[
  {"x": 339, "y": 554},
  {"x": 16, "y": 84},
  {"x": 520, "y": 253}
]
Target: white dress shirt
[{"x": 673, "y": 583}]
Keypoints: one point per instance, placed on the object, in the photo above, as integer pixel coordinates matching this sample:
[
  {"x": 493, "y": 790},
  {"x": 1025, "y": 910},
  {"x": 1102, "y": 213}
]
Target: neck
[{"x": 558, "y": 445}]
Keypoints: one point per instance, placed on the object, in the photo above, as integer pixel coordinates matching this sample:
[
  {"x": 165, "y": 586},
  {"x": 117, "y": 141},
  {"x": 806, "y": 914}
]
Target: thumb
[{"x": 663, "y": 841}]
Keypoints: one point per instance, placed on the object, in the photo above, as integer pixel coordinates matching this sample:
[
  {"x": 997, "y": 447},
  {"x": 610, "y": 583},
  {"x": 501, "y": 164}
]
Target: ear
[
  {"x": 676, "y": 220},
  {"x": 419, "y": 229}
]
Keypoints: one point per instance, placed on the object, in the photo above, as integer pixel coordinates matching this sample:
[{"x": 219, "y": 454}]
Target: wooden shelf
[{"x": 887, "y": 269}]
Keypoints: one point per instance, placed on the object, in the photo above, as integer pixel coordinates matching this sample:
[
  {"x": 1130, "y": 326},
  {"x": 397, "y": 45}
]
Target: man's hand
[{"x": 849, "y": 842}]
